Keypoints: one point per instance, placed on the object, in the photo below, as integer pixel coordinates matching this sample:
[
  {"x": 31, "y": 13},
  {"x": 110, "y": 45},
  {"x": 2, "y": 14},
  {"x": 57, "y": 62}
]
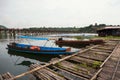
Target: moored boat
[
  {"x": 79, "y": 42},
  {"x": 33, "y": 49},
  {"x": 25, "y": 48}
]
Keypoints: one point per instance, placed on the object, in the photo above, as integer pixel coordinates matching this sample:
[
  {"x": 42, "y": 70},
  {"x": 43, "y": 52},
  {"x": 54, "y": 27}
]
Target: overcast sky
[{"x": 61, "y": 13}]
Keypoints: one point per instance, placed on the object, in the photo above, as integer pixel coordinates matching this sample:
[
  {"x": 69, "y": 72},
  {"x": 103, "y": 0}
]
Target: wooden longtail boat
[
  {"x": 79, "y": 42},
  {"x": 32, "y": 49},
  {"x": 25, "y": 48}
]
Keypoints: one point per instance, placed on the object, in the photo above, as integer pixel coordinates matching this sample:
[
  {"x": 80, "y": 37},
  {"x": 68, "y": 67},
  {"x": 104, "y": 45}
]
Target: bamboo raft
[
  {"x": 81, "y": 66},
  {"x": 88, "y": 64},
  {"x": 111, "y": 67},
  {"x": 6, "y": 76}
]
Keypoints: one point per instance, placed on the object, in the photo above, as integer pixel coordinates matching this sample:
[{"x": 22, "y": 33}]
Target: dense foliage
[
  {"x": 57, "y": 29},
  {"x": 91, "y": 28},
  {"x": 87, "y": 29}
]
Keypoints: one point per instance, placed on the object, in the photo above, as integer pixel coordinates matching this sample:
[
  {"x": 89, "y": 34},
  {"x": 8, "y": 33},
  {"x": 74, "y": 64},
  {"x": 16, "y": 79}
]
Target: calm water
[{"x": 17, "y": 63}]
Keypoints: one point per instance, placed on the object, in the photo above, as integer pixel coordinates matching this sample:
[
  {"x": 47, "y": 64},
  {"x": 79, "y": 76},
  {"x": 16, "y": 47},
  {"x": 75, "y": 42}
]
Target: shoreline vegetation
[
  {"x": 98, "y": 37},
  {"x": 81, "y": 29},
  {"x": 92, "y": 28}
]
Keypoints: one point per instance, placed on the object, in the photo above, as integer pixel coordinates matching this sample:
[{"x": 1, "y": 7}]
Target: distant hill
[{"x": 3, "y": 27}]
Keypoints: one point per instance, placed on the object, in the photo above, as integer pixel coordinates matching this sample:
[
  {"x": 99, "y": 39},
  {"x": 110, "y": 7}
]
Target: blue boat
[{"x": 32, "y": 49}]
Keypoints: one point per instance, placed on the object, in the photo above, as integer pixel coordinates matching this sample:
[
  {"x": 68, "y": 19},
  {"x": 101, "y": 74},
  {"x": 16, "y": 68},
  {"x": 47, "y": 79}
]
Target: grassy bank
[
  {"x": 107, "y": 37},
  {"x": 98, "y": 37}
]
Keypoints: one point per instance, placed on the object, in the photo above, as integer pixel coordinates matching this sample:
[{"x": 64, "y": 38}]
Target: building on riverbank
[{"x": 109, "y": 31}]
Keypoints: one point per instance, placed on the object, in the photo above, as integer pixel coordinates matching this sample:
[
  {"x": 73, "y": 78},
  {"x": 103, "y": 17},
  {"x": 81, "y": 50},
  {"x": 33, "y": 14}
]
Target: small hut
[{"x": 109, "y": 31}]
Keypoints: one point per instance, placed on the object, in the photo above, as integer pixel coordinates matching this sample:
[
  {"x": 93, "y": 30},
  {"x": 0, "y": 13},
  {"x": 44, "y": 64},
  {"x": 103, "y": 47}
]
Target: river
[{"x": 17, "y": 63}]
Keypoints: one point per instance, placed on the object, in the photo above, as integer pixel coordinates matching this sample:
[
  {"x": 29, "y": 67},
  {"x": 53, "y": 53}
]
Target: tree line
[{"x": 86, "y": 29}]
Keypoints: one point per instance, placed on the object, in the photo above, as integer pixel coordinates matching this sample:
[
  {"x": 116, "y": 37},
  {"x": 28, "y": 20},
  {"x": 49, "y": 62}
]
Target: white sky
[{"x": 61, "y": 13}]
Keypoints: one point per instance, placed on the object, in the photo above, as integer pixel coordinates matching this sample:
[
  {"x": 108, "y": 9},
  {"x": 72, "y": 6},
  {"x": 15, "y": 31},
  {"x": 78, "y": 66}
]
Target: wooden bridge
[
  {"x": 98, "y": 62},
  {"x": 32, "y": 32}
]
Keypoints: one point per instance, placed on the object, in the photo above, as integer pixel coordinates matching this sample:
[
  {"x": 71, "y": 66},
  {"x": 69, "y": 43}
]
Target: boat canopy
[{"x": 33, "y": 38}]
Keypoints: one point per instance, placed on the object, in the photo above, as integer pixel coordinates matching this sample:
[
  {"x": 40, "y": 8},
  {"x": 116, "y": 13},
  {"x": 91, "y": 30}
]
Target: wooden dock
[
  {"x": 112, "y": 67},
  {"x": 99, "y": 62}
]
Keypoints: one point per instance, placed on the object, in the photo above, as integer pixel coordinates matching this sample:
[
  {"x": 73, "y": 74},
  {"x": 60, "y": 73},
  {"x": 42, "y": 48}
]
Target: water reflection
[
  {"x": 25, "y": 63},
  {"x": 42, "y": 58}
]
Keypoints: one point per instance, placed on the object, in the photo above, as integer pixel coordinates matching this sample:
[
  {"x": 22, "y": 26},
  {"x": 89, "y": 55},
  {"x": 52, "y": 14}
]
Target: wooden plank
[
  {"x": 1, "y": 77},
  {"x": 75, "y": 69},
  {"x": 80, "y": 77},
  {"x": 9, "y": 75},
  {"x": 98, "y": 52},
  {"x": 105, "y": 47},
  {"x": 107, "y": 51},
  {"x": 48, "y": 73},
  {"x": 93, "y": 56},
  {"x": 6, "y": 76},
  {"x": 79, "y": 60}
]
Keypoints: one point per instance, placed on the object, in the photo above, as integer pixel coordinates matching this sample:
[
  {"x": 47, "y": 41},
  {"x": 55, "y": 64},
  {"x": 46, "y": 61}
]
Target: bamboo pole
[
  {"x": 1, "y": 77},
  {"x": 93, "y": 78}
]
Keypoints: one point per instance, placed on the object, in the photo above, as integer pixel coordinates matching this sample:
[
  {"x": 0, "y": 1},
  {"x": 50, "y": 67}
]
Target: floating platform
[{"x": 6, "y": 76}]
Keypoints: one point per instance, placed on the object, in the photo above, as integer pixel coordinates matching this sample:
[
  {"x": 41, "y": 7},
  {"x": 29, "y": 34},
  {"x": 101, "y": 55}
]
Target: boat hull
[
  {"x": 78, "y": 42},
  {"x": 36, "y": 51}
]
